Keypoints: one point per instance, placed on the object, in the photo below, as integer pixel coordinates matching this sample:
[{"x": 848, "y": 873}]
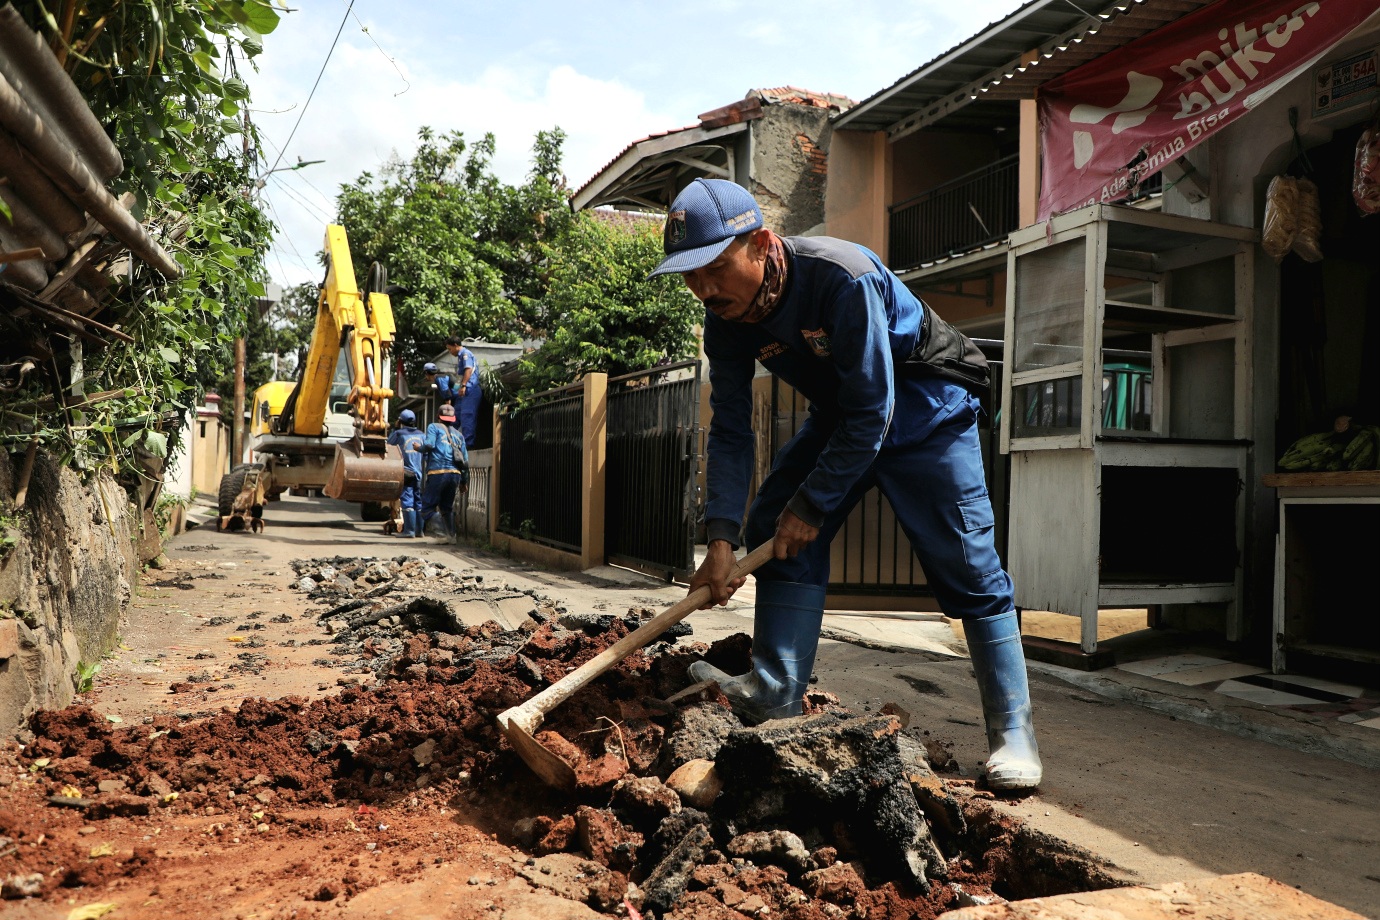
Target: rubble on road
[{"x": 680, "y": 811}]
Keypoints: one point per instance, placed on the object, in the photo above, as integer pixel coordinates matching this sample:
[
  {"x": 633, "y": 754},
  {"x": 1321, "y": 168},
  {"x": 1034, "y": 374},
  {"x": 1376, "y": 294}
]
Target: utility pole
[
  {"x": 237, "y": 431},
  {"x": 237, "y": 426}
]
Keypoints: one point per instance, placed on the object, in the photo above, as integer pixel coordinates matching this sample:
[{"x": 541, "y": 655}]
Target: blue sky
[{"x": 606, "y": 73}]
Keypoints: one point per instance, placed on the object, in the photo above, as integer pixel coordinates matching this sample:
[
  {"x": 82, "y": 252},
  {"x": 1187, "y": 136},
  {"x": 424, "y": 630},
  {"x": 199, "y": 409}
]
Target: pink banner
[{"x": 1108, "y": 125}]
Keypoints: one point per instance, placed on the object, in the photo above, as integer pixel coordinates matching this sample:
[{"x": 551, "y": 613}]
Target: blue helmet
[{"x": 407, "y": 417}]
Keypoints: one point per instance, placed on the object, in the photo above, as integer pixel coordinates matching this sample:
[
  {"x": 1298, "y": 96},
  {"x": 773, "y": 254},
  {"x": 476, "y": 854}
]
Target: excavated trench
[{"x": 680, "y": 810}]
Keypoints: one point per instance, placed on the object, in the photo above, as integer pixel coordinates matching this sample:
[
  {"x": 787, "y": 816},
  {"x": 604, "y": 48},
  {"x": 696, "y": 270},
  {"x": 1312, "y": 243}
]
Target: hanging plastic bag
[
  {"x": 1365, "y": 185},
  {"x": 1308, "y": 239},
  {"x": 1281, "y": 216}
]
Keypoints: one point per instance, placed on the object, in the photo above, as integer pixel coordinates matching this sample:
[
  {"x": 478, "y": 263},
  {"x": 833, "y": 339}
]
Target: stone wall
[{"x": 63, "y": 587}]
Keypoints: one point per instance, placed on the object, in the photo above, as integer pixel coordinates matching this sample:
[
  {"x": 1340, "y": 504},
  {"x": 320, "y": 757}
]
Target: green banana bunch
[
  {"x": 1312, "y": 452},
  {"x": 1364, "y": 449}
]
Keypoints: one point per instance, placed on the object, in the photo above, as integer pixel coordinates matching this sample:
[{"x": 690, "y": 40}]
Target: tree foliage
[
  {"x": 604, "y": 314},
  {"x": 479, "y": 257},
  {"x": 162, "y": 76},
  {"x": 467, "y": 249}
]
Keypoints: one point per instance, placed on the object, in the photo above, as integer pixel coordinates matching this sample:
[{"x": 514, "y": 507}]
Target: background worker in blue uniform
[
  {"x": 467, "y": 392},
  {"x": 447, "y": 461},
  {"x": 444, "y": 384},
  {"x": 891, "y": 390},
  {"x": 409, "y": 440}
]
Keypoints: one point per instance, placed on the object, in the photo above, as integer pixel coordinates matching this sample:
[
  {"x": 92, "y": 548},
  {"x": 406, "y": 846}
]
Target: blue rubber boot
[
  {"x": 994, "y": 644},
  {"x": 785, "y": 636},
  {"x": 411, "y": 526}
]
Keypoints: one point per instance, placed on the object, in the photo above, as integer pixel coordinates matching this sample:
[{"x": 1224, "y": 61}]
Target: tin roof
[{"x": 978, "y": 82}]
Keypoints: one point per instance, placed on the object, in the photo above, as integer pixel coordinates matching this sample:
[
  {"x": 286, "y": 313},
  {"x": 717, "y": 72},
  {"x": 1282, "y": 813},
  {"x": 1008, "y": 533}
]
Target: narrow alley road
[{"x": 228, "y": 621}]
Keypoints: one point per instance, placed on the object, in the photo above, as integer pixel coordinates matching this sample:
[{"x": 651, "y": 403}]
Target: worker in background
[
  {"x": 446, "y": 461},
  {"x": 409, "y": 439},
  {"x": 892, "y": 404},
  {"x": 442, "y": 383},
  {"x": 468, "y": 393}
]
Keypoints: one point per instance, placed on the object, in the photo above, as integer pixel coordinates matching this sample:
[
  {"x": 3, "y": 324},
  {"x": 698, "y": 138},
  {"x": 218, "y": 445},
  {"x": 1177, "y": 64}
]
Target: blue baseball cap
[
  {"x": 407, "y": 417},
  {"x": 429, "y": 368},
  {"x": 706, "y": 216}
]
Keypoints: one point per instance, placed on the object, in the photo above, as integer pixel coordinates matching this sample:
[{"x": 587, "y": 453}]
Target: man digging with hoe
[{"x": 892, "y": 404}]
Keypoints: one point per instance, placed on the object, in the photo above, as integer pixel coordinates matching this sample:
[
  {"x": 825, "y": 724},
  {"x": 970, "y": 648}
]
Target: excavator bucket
[{"x": 360, "y": 476}]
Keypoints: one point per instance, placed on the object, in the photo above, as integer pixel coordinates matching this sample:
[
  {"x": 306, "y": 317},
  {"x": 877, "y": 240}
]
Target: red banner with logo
[{"x": 1108, "y": 125}]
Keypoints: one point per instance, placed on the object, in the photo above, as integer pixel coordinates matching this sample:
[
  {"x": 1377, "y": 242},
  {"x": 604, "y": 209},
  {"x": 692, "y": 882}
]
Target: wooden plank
[
  {"x": 1322, "y": 480},
  {"x": 1246, "y": 896}
]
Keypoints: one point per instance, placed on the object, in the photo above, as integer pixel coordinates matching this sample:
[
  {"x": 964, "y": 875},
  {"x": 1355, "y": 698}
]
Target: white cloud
[
  {"x": 363, "y": 113},
  {"x": 607, "y": 75}
]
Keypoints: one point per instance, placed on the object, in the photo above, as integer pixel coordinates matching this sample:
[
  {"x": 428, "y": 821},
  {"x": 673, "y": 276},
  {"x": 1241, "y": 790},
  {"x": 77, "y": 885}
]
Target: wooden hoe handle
[{"x": 530, "y": 714}]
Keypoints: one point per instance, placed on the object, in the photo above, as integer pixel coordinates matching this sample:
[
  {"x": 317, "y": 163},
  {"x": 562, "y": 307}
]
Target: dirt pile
[{"x": 680, "y": 810}]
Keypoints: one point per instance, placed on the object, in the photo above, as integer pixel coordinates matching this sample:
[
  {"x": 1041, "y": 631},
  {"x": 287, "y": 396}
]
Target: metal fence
[
  {"x": 650, "y": 495},
  {"x": 871, "y": 555},
  {"x": 958, "y": 216},
  {"x": 539, "y": 480}
]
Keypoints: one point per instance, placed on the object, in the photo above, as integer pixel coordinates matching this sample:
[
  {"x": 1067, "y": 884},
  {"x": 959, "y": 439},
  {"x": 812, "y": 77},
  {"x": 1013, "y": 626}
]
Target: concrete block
[
  {"x": 474, "y": 612},
  {"x": 9, "y": 637},
  {"x": 1246, "y": 896},
  {"x": 515, "y": 611}
]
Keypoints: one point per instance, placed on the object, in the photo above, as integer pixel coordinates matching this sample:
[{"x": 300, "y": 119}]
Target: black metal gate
[
  {"x": 540, "y": 456},
  {"x": 650, "y": 497},
  {"x": 871, "y": 555}
]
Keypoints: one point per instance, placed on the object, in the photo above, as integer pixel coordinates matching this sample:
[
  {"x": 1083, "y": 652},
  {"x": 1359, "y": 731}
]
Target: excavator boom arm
[{"x": 362, "y": 324}]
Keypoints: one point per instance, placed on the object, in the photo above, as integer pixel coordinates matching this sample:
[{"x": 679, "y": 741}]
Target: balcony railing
[{"x": 956, "y": 217}]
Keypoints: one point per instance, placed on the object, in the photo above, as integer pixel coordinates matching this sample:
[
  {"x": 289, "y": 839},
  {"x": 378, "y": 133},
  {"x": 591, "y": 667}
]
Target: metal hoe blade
[{"x": 520, "y": 723}]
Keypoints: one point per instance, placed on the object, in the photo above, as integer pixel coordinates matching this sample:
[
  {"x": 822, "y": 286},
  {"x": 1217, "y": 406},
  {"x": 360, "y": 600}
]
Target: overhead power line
[{"x": 344, "y": 19}]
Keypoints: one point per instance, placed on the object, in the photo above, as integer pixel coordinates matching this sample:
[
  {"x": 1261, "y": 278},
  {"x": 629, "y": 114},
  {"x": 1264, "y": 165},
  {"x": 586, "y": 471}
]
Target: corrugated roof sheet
[{"x": 1005, "y": 62}]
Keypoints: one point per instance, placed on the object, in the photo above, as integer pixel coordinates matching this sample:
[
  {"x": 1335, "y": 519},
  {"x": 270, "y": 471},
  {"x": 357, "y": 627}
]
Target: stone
[
  {"x": 553, "y": 835},
  {"x": 425, "y": 752},
  {"x": 777, "y": 848},
  {"x": 697, "y": 733},
  {"x": 645, "y": 801},
  {"x": 668, "y": 881},
  {"x": 837, "y": 884},
  {"x": 605, "y": 839},
  {"x": 938, "y": 803},
  {"x": 121, "y": 806},
  {"x": 600, "y": 774},
  {"x": 697, "y": 783},
  {"x": 306, "y": 585},
  {"x": 111, "y": 785},
  {"x": 827, "y": 767},
  {"x": 701, "y": 905},
  {"x": 22, "y": 886}
]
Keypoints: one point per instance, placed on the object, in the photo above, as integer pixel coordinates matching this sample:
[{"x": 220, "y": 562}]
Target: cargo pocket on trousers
[{"x": 979, "y": 541}]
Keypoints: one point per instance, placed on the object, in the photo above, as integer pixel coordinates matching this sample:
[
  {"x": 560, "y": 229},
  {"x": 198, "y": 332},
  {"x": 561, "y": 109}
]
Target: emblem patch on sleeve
[
  {"x": 675, "y": 228},
  {"x": 818, "y": 340}
]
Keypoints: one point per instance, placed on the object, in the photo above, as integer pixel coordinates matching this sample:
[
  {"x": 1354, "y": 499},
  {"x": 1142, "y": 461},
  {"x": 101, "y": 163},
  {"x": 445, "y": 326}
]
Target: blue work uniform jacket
[
  {"x": 447, "y": 388},
  {"x": 409, "y": 442},
  {"x": 840, "y": 329},
  {"x": 445, "y": 449}
]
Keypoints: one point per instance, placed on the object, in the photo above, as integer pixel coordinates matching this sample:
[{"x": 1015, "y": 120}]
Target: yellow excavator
[{"x": 327, "y": 432}]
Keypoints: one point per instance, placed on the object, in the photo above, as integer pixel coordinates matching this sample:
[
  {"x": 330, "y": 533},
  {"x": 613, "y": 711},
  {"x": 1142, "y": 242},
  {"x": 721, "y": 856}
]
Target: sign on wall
[
  {"x": 1107, "y": 126},
  {"x": 1346, "y": 84}
]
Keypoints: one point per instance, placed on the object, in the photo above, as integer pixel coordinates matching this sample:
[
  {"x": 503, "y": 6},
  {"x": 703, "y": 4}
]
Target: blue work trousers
[
  {"x": 467, "y": 408},
  {"x": 411, "y": 496},
  {"x": 938, "y": 490},
  {"x": 439, "y": 495}
]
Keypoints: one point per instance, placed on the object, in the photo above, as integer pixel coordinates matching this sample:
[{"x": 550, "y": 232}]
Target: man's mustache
[{"x": 718, "y": 303}]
